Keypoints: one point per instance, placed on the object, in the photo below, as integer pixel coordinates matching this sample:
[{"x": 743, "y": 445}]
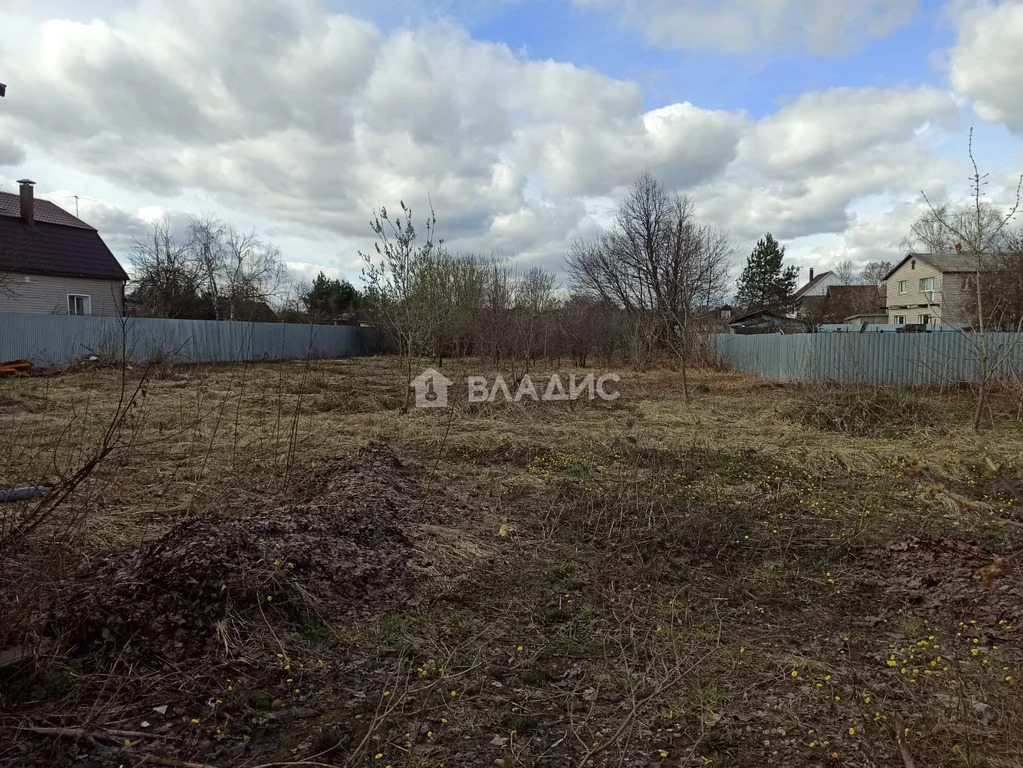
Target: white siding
[
  {"x": 941, "y": 304},
  {"x": 47, "y": 294},
  {"x": 821, "y": 288}
]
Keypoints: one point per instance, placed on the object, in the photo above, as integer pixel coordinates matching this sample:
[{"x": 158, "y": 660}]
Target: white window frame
[
  {"x": 923, "y": 319},
  {"x": 900, "y": 319},
  {"x": 925, "y": 281},
  {"x": 903, "y": 286},
  {"x": 86, "y": 304}
]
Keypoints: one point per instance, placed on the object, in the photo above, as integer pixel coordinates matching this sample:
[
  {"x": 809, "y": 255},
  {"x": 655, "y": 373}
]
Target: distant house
[
  {"x": 926, "y": 288},
  {"x": 808, "y": 299},
  {"x": 54, "y": 263},
  {"x": 766, "y": 322}
]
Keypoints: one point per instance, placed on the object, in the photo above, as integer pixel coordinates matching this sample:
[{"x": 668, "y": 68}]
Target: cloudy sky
[{"x": 522, "y": 120}]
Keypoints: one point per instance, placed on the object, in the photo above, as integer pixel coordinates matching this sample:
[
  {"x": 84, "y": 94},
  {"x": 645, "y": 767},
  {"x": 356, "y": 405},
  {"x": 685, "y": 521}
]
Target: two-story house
[
  {"x": 52, "y": 262},
  {"x": 927, "y": 288}
]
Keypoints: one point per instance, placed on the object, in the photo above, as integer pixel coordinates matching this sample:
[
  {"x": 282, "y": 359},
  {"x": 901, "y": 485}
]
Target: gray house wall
[{"x": 47, "y": 294}]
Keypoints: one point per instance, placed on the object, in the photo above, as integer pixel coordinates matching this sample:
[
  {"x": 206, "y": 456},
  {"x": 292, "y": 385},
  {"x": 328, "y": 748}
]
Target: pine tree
[
  {"x": 326, "y": 299},
  {"x": 766, "y": 284}
]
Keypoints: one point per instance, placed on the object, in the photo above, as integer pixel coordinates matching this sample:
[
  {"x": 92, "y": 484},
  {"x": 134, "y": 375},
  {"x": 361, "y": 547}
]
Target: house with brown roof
[
  {"x": 929, "y": 288},
  {"x": 54, "y": 263},
  {"x": 809, "y": 299}
]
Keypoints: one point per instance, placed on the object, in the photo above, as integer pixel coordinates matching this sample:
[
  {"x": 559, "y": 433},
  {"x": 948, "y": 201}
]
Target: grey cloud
[{"x": 11, "y": 153}]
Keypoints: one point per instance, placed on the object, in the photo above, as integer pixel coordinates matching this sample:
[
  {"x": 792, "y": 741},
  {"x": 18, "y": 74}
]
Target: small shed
[{"x": 763, "y": 321}]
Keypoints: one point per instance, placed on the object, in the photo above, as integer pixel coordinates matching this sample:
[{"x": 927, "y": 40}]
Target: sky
[{"x": 523, "y": 122}]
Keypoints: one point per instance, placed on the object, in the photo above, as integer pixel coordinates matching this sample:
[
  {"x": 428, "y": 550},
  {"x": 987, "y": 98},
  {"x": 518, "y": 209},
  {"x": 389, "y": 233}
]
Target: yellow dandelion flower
[
  {"x": 852, "y": 731},
  {"x": 795, "y": 673}
]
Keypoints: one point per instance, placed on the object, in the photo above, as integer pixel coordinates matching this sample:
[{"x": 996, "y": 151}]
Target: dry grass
[{"x": 599, "y": 582}]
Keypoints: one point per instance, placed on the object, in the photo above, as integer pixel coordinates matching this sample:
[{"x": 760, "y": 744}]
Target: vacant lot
[{"x": 274, "y": 566}]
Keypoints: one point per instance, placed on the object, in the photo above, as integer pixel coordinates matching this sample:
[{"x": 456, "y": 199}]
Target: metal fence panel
[
  {"x": 62, "y": 339},
  {"x": 911, "y": 359}
]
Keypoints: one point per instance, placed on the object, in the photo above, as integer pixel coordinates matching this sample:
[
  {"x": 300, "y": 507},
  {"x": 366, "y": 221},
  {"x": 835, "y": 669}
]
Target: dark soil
[{"x": 340, "y": 553}]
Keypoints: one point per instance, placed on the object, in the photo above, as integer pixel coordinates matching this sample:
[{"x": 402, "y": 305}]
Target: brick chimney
[
  {"x": 811, "y": 274},
  {"x": 28, "y": 202}
]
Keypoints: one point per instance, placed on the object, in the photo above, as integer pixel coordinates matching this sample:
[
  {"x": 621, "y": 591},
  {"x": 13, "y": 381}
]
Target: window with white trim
[
  {"x": 903, "y": 286},
  {"x": 927, "y": 284},
  {"x": 900, "y": 319},
  {"x": 924, "y": 319},
  {"x": 79, "y": 304}
]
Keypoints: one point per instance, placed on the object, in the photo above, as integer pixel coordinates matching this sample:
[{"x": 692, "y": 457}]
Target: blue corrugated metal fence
[
  {"x": 910, "y": 359},
  {"x": 61, "y": 339}
]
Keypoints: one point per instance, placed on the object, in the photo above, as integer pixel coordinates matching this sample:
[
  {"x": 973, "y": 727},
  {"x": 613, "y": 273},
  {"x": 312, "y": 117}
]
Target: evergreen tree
[
  {"x": 766, "y": 283},
  {"x": 326, "y": 299}
]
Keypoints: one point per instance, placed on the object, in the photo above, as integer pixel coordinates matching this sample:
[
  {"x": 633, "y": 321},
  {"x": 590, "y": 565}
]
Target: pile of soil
[{"x": 338, "y": 553}]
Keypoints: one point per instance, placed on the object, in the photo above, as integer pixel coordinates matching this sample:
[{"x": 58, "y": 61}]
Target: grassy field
[{"x": 770, "y": 575}]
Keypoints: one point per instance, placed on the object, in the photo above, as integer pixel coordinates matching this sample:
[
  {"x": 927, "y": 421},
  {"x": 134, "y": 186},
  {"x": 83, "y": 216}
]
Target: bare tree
[
  {"x": 978, "y": 231},
  {"x": 216, "y": 273},
  {"x": 942, "y": 227},
  {"x": 253, "y": 271},
  {"x": 875, "y": 272},
  {"x": 657, "y": 263},
  {"x": 166, "y": 277},
  {"x": 533, "y": 301},
  {"x": 845, "y": 271}
]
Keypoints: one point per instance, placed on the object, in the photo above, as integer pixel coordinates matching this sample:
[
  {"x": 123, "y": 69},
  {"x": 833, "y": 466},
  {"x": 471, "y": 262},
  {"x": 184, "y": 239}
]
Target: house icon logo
[{"x": 431, "y": 389}]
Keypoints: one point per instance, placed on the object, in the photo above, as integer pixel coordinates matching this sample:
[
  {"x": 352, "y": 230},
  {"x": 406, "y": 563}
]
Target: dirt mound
[
  {"x": 944, "y": 576},
  {"x": 339, "y": 553}
]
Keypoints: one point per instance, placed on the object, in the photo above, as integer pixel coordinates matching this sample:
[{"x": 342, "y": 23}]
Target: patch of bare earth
[{"x": 640, "y": 583}]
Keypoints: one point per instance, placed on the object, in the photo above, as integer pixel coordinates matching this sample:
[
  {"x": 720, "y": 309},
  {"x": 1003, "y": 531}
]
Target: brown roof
[
  {"x": 946, "y": 262},
  {"x": 816, "y": 279},
  {"x": 868, "y": 294},
  {"x": 58, "y": 244},
  {"x": 45, "y": 212}
]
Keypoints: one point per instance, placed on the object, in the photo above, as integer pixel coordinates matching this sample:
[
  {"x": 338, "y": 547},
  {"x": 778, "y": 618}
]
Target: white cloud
[
  {"x": 799, "y": 170},
  {"x": 822, "y": 26},
  {"x": 985, "y": 63},
  {"x": 317, "y": 119},
  {"x": 301, "y": 123}
]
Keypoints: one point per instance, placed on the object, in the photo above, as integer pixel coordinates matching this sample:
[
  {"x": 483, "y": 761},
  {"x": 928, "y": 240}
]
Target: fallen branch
[
  {"x": 101, "y": 733},
  {"x": 170, "y": 762}
]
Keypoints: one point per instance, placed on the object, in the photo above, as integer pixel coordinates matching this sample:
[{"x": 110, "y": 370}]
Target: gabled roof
[
  {"x": 58, "y": 244},
  {"x": 45, "y": 212},
  {"x": 946, "y": 262},
  {"x": 816, "y": 279}
]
